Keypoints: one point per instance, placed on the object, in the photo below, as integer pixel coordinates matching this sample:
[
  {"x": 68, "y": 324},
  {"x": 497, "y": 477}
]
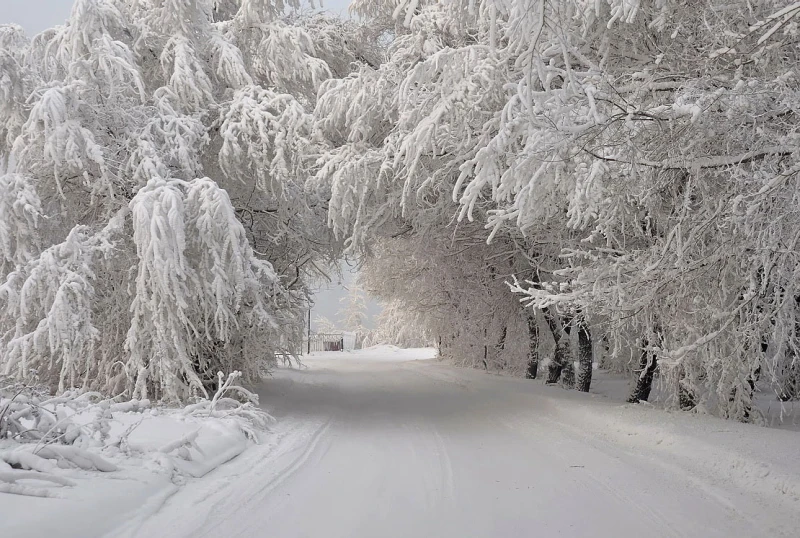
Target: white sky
[
  {"x": 37, "y": 15},
  {"x": 327, "y": 300}
]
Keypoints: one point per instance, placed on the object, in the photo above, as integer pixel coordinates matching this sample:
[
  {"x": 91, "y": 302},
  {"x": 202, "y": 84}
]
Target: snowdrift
[{"x": 106, "y": 461}]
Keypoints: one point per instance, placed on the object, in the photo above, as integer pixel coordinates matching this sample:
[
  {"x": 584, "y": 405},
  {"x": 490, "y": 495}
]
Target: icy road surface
[{"x": 379, "y": 446}]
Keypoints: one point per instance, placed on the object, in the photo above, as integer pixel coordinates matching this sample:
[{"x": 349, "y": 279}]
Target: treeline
[
  {"x": 527, "y": 182},
  {"x": 628, "y": 170}
]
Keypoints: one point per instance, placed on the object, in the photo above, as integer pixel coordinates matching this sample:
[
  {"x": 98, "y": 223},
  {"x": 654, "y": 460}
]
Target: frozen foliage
[
  {"x": 47, "y": 328},
  {"x": 639, "y": 157},
  {"x": 119, "y": 271},
  {"x": 21, "y": 212},
  {"x": 353, "y": 313},
  {"x": 449, "y": 290},
  {"x": 324, "y": 325},
  {"x": 48, "y": 437},
  {"x": 204, "y": 303},
  {"x": 398, "y": 325},
  {"x": 626, "y": 168}
]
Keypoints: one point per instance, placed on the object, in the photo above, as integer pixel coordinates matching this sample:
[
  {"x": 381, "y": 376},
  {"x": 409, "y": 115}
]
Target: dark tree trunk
[
  {"x": 567, "y": 361},
  {"x": 647, "y": 371},
  {"x": 752, "y": 379},
  {"x": 499, "y": 348},
  {"x": 606, "y": 346},
  {"x": 562, "y": 356},
  {"x": 485, "y": 352},
  {"x": 585, "y": 356},
  {"x": 556, "y": 365},
  {"x": 568, "y": 375},
  {"x": 749, "y": 390},
  {"x": 533, "y": 345},
  {"x": 686, "y": 399}
]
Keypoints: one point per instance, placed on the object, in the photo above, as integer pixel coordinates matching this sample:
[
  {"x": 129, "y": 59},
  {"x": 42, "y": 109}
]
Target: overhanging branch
[{"x": 704, "y": 162}]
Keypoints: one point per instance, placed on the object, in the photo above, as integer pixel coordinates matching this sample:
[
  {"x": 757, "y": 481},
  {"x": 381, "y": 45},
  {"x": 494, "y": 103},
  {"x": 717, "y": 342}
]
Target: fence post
[{"x": 309, "y": 329}]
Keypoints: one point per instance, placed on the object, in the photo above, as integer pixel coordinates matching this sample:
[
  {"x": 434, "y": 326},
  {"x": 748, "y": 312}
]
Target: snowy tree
[
  {"x": 640, "y": 152},
  {"x": 119, "y": 270},
  {"x": 399, "y": 325},
  {"x": 398, "y": 135},
  {"x": 670, "y": 145},
  {"x": 626, "y": 169},
  {"x": 353, "y": 313},
  {"x": 324, "y": 325},
  {"x": 459, "y": 300}
]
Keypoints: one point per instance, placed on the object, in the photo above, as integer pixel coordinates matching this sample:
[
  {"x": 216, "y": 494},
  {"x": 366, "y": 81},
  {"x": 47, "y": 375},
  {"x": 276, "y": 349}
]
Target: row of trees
[
  {"x": 123, "y": 267},
  {"x": 630, "y": 167},
  {"x": 523, "y": 179}
]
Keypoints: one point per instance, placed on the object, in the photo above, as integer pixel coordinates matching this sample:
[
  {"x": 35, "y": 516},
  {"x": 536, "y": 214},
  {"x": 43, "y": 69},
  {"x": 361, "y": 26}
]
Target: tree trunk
[
  {"x": 562, "y": 356},
  {"x": 485, "y": 352},
  {"x": 647, "y": 371},
  {"x": 686, "y": 399},
  {"x": 533, "y": 345},
  {"x": 752, "y": 379},
  {"x": 790, "y": 381},
  {"x": 499, "y": 347},
  {"x": 605, "y": 351},
  {"x": 567, "y": 361},
  {"x": 585, "y": 356},
  {"x": 568, "y": 375},
  {"x": 746, "y": 402}
]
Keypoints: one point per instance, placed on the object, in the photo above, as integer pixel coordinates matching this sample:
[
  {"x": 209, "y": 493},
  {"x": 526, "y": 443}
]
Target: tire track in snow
[
  {"x": 663, "y": 523},
  {"x": 632, "y": 458},
  {"x": 130, "y": 527},
  {"x": 448, "y": 491},
  {"x": 223, "y": 498},
  {"x": 591, "y": 481},
  {"x": 299, "y": 461}
]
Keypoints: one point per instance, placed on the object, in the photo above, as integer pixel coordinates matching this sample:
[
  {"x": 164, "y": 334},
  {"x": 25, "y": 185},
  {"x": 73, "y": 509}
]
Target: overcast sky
[{"x": 37, "y": 15}]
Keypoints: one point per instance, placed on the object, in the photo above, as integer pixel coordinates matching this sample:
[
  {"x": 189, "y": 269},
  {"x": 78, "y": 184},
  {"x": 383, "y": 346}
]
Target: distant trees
[
  {"x": 324, "y": 325},
  {"x": 397, "y": 324},
  {"x": 353, "y": 313}
]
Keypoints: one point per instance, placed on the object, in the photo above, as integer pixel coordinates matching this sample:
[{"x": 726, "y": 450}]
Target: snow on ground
[
  {"x": 122, "y": 462},
  {"x": 375, "y": 353},
  {"x": 772, "y": 412},
  {"x": 386, "y": 442},
  {"x": 377, "y": 443}
]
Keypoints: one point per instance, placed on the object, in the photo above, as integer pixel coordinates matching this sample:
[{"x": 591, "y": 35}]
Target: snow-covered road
[{"x": 383, "y": 447}]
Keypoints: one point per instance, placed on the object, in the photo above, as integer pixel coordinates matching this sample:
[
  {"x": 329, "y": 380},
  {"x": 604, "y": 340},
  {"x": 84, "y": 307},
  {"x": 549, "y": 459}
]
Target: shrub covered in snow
[{"x": 41, "y": 435}]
